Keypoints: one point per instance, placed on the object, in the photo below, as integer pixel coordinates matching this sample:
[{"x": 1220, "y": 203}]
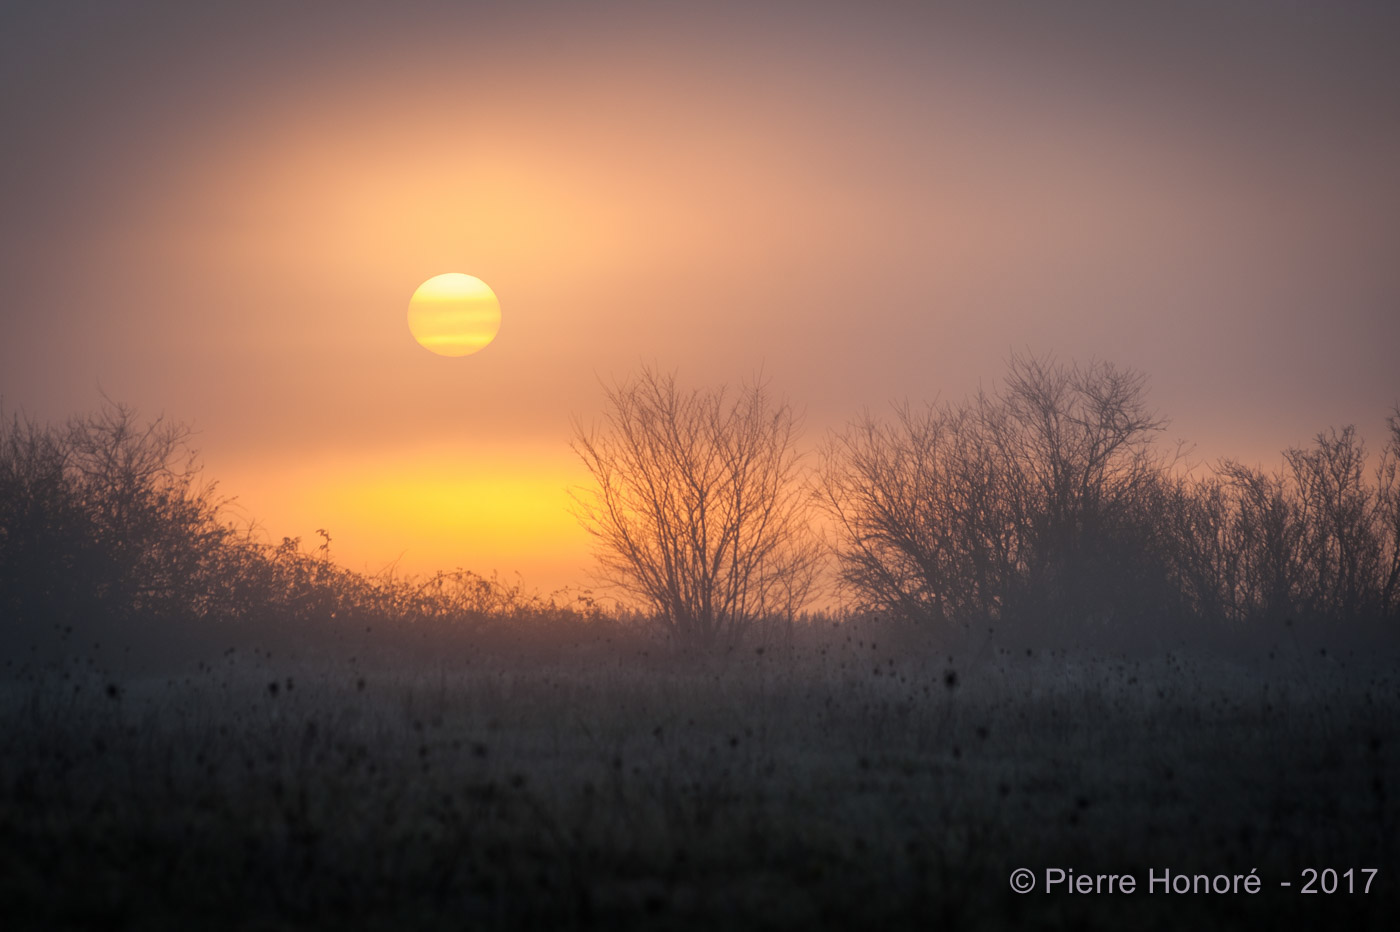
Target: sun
[{"x": 454, "y": 314}]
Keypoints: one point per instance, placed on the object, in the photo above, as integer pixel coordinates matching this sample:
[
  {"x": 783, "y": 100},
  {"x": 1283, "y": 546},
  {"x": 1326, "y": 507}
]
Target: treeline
[
  {"x": 1049, "y": 507},
  {"x": 110, "y": 536},
  {"x": 1046, "y": 511}
]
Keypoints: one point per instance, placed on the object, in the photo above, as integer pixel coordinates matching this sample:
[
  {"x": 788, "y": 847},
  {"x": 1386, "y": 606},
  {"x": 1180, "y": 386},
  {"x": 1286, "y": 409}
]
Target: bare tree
[
  {"x": 1343, "y": 551},
  {"x": 697, "y": 510},
  {"x": 1266, "y": 533},
  {"x": 1202, "y": 544},
  {"x": 1037, "y": 502},
  {"x": 925, "y": 517},
  {"x": 1388, "y": 516},
  {"x": 1080, "y": 441}
]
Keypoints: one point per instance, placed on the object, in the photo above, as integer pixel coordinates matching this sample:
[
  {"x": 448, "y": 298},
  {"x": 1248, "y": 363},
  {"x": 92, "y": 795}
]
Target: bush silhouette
[
  {"x": 1045, "y": 508},
  {"x": 110, "y": 540}
]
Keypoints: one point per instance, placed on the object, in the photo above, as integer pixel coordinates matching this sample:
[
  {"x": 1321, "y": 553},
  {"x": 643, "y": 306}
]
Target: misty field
[{"x": 839, "y": 781}]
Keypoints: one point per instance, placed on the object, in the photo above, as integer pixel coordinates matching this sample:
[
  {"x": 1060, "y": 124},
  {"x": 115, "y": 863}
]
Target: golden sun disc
[{"x": 454, "y": 314}]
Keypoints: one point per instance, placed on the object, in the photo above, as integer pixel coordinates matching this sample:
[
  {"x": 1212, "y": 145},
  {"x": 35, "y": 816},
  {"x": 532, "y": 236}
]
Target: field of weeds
[{"x": 834, "y": 783}]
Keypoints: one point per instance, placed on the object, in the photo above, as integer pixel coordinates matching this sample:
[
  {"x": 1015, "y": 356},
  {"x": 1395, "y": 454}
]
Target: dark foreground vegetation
[
  {"x": 1061, "y": 650},
  {"x": 842, "y": 782}
]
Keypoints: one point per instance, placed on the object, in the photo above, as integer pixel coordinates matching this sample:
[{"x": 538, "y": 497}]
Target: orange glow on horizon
[{"x": 423, "y": 511}]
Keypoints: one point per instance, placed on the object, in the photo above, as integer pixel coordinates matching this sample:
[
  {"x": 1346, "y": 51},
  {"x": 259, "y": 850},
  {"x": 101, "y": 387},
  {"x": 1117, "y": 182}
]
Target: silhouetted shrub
[
  {"x": 1046, "y": 509},
  {"x": 1036, "y": 505},
  {"x": 1315, "y": 541},
  {"x": 103, "y": 522},
  {"x": 109, "y": 537}
]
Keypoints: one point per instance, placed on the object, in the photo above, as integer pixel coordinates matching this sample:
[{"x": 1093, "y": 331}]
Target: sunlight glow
[
  {"x": 454, "y": 314},
  {"x": 474, "y": 506}
]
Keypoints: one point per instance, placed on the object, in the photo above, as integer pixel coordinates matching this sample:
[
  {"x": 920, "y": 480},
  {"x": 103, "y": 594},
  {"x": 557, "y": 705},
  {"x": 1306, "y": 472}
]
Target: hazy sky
[{"x": 221, "y": 214}]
